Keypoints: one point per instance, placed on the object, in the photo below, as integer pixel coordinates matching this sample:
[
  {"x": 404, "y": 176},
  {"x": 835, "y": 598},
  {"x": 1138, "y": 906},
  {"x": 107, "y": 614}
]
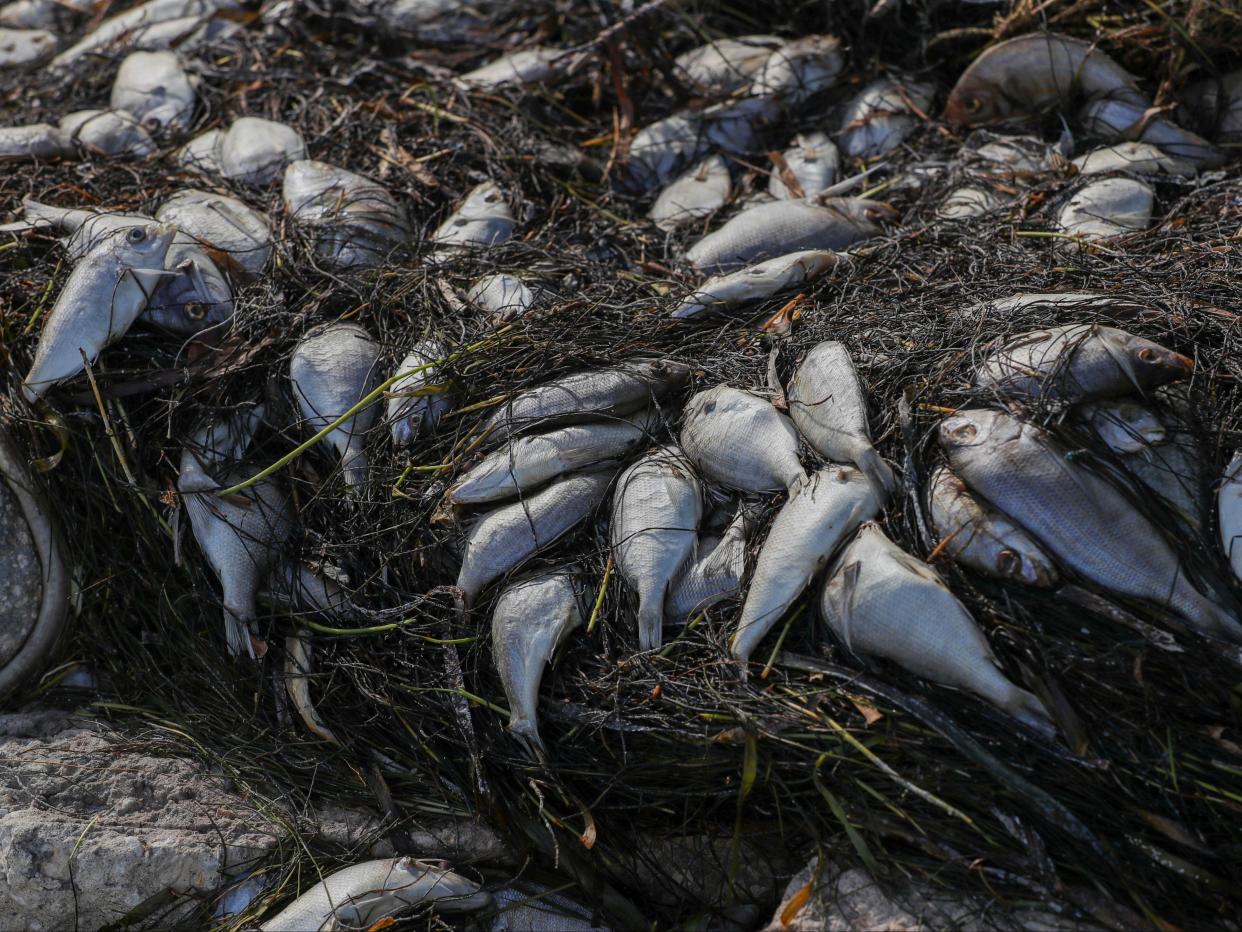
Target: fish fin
[
  {"x": 878, "y": 472},
  {"x": 237, "y": 635},
  {"x": 651, "y": 622},
  {"x": 1027, "y": 709},
  {"x": 1120, "y": 357},
  {"x": 526, "y": 730},
  {"x": 149, "y": 280},
  {"x": 354, "y": 464},
  {"x": 849, "y": 585}
]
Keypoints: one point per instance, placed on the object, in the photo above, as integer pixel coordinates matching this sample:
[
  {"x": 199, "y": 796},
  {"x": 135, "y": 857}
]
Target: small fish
[
  {"x": 364, "y": 895},
  {"x": 741, "y": 441},
  {"x": 528, "y": 462},
  {"x": 155, "y": 89},
  {"x": 1114, "y": 120},
  {"x": 1061, "y": 301},
  {"x": 222, "y": 223},
  {"x": 1106, "y": 208},
  {"x": 56, "y": 16},
  {"x": 298, "y": 667},
  {"x": 970, "y": 201},
  {"x": 355, "y": 223},
  {"x": 813, "y": 161},
  {"x": 240, "y": 535},
  {"x": 531, "y": 619},
  {"x": 656, "y": 510},
  {"x": 504, "y": 539},
  {"x": 1139, "y": 158},
  {"x": 526, "y": 66},
  {"x": 298, "y": 587},
  {"x": 739, "y": 126},
  {"x": 782, "y": 227},
  {"x": 523, "y": 906},
  {"x": 800, "y": 69},
  {"x": 255, "y": 151},
  {"x": 1215, "y": 107},
  {"x": 108, "y": 133},
  {"x": 36, "y": 141},
  {"x": 977, "y": 536},
  {"x": 660, "y": 150},
  {"x": 883, "y": 602},
  {"x": 882, "y": 115},
  {"x": 1081, "y": 519},
  {"x": 827, "y": 405},
  {"x": 106, "y": 291},
  {"x": 1031, "y": 74},
  {"x": 1173, "y": 470},
  {"x": 718, "y": 571},
  {"x": 20, "y": 48},
  {"x": 331, "y": 369},
  {"x": 503, "y": 296},
  {"x": 696, "y": 194},
  {"x": 1012, "y": 156},
  {"x": 1124, "y": 425},
  {"x": 724, "y": 65},
  {"x": 484, "y": 219},
  {"x": 756, "y": 282},
  {"x": 1229, "y": 505},
  {"x": 202, "y": 153},
  {"x": 409, "y": 413},
  {"x": 823, "y": 511},
  {"x": 138, "y": 28},
  {"x": 1079, "y": 362}
]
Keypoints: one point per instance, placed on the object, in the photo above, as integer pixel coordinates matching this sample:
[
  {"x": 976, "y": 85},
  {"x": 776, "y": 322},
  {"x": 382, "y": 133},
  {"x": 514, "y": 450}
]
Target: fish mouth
[{"x": 1185, "y": 363}]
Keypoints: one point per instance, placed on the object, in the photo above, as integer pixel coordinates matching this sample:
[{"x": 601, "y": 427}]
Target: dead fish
[
  {"x": 698, "y": 193},
  {"x": 504, "y": 539},
  {"x": 723, "y": 65},
  {"x": 525, "y": 66},
  {"x": 1115, "y": 120},
  {"x": 298, "y": 587},
  {"x": 1173, "y": 470},
  {"x": 655, "y": 523},
  {"x": 814, "y": 163},
  {"x": 1011, "y": 156},
  {"x": 782, "y": 227},
  {"x": 970, "y": 201},
  {"x": 1139, "y": 158},
  {"x": 504, "y": 297},
  {"x": 531, "y": 619},
  {"x": 798, "y": 70},
  {"x": 363, "y": 895},
  {"x": 1229, "y": 511},
  {"x": 528, "y": 462},
  {"x": 21, "y": 48},
  {"x": 1106, "y": 208},
  {"x": 202, "y": 153},
  {"x": 822, "y": 512},
  {"x": 240, "y": 535},
  {"x": 882, "y": 115},
  {"x": 108, "y": 133},
  {"x": 756, "y": 282},
  {"x": 1060, "y": 301},
  {"x": 56, "y": 16},
  {"x": 881, "y": 601},
  {"x": 1215, "y": 106},
  {"x": 1079, "y": 362},
  {"x": 106, "y": 291},
  {"x": 36, "y": 141},
  {"x": 827, "y": 405},
  {"x": 410, "y": 413},
  {"x": 155, "y": 89},
  {"x": 1078, "y": 517},
  {"x": 717, "y": 570},
  {"x": 1031, "y": 74},
  {"x": 739, "y": 126},
  {"x": 1124, "y": 425},
  {"x": 524, "y": 906},
  {"x": 980, "y": 537},
  {"x": 331, "y": 369},
  {"x": 741, "y": 441},
  {"x": 484, "y": 219},
  {"x": 139, "y": 27},
  {"x": 35, "y": 577},
  {"x": 222, "y": 223},
  {"x": 298, "y": 666},
  {"x": 455, "y": 22},
  {"x": 354, "y": 222},
  {"x": 585, "y": 396},
  {"x": 255, "y": 151}
]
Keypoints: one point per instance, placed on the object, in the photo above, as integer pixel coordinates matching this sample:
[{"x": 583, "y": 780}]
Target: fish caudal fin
[
  {"x": 237, "y": 635},
  {"x": 354, "y": 465},
  {"x": 878, "y": 472},
  {"x": 1026, "y": 708},
  {"x": 526, "y": 730},
  {"x": 651, "y": 622}
]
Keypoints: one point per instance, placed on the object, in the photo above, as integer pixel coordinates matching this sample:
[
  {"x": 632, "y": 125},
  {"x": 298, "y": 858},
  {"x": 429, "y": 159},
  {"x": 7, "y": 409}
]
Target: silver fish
[
  {"x": 1173, "y": 471},
  {"x": 56, "y": 16},
  {"x": 105, "y": 293},
  {"x": 132, "y": 29},
  {"x": 980, "y": 537},
  {"x": 813, "y": 161},
  {"x": 523, "y": 906},
  {"x": 655, "y": 523},
  {"x": 881, "y": 601},
  {"x": 1139, "y": 158},
  {"x": 36, "y": 141},
  {"x": 155, "y": 89},
  {"x": 331, "y": 369},
  {"x": 1216, "y": 107},
  {"x": 301, "y": 588},
  {"x": 756, "y": 282},
  {"x": 1079, "y": 362},
  {"x": 108, "y": 133},
  {"x": 240, "y": 535},
  {"x": 25, "y": 47},
  {"x": 697, "y": 193},
  {"x": 822, "y": 512},
  {"x": 1115, "y": 120},
  {"x": 741, "y": 441},
  {"x": 255, "y": 151},
  {"x": 778, "y": 228},
  {"x": 360, "y": 896},
  {"x": 717, "y": 572},
  {"x": 1106, "y": 208},
  {"x": 298, "y": 667},
  {"x": 528, "y": 462},
  {"x": 1229, "y": 511},
  {"x": 1059, "y": 301},
  {"x": 222, "y": 223},
  {"x": 531, "y": 619},
  {"x": 504, "y": 539},
  {"x": 202, "y": 153},
  {"x": 525, "y": 66},
  {"x": 739, "y": 126},
  {"x": 1124, "y": 425},
  {"x": 827, "y": 405},
  {"x": 880, "y": 117},
  {"x": 971, "y": 200},
  {"x": 436, "y": 21},
  {"x": 798, "y": 70},
  {"x": 484, "y": 219},
  {"x": 503, "y": 296},
  {"x": 409, "y": 413},
  {"x": 723, "y": 65},
  {"x": 1081, "y": 519},
  {"x": 355, "y": 222}
]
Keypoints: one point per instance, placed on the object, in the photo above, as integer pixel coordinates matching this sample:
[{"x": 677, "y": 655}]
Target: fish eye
[
  {"x": 196, "y": 310},
  {"x": 1147, "y": 354},
  {"x": 965, "y": 431},
  {"x": 1006, "y": 561},
  {"x": 152, "y": 123},
  {"x": 136, "y": 234},
  {"x": 972, "y": 104},
  {"x": 873, "y": 213}
]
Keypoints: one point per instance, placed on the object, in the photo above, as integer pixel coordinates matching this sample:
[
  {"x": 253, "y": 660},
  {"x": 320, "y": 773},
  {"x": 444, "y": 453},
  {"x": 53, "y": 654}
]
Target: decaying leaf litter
[{"x": 1129, "y": 819}]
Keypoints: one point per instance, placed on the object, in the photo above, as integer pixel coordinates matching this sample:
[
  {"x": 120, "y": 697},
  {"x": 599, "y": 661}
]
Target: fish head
[
  {"x": 973, "y": 102},
  {"x": 976, "y": 427},
  {"x": 1147, "y": 363},
  {"x": 430, "y": 880},
  {"x": 1026, "y": 566},
  {"x": 195, "y": 299},
  {"x": 144, "y": 245},
  {"x": 864, "y": 210},
  {"x": 1126, "y": 426}
]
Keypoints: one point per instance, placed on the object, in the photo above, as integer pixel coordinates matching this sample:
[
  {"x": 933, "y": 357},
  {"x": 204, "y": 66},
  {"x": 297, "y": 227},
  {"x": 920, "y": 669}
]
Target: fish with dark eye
[
  {"x": 756, "y": 282},
  {"x": 812, "y": 161},
  {"x": 20, "y": 48},
  {"x": 354, "y": 222},
  {"x": 484, "y": 219},
  {"x": 1079, "y": 362},
  {"x": 696, "y": 194},
  {"x": 1124, "y": 425},
  {"x": 409, "y": 411},
  {"x": 880, "y": 601},
  {"x": 723, "y": 65},
  {"x": 882, "y": 115},
  {"x": 741, "y": 441},
  {"x": 155, "y": 89},
  {"x": 981, "y": 538},
  {"x": 1081, "y": 519},
  {"x": 798, "y": 70},
  {"x": 107, "y": 133},
  {"x": 255, "y": 151}
]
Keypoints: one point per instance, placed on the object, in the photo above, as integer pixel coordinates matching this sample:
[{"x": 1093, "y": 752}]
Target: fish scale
[{"x": 739, "y": 440}]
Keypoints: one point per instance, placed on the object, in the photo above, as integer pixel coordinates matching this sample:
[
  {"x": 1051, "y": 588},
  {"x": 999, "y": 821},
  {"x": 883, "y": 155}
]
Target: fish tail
[
  {"x": 1027, "y": 709},
  {"x": 526, "y": 730},
  {"x": 354, "y": 464},
  {"x": 878, "y": 472},
  {"x": 237, "y": 635},
  {"x": 650, "y": 622}
]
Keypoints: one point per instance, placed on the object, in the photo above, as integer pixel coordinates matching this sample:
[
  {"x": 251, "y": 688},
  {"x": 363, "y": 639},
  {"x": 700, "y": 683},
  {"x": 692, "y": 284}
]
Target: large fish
[
  {"x": 756, "y": 282},
  {"x": 723, "y": 65},
  {"x": 828, "y": 407},
  {"x": 410, "y": 413},
  {"x": 364, "y": 895},
  {"x": 1106, "y": 208},
  {"x": 224, "y": 224},
  {"x": 797, "y": 70},
  {"x": 1079, "y": 362},
  {"x": 255, "y": 151},
  {"x": 106, "y": 291},
  {"x": 881, "y": 116},
  {"x": 696, "y": 194},
  {"x": 980, "y": 537},
  {"x": 107, "y": 133},
  {"x": 822, "y": 512},
  {"x": 782, "y": 227},
  {"x": 531, "y": 619},
  {"x": 812, "y": 161},
  {"x": 882, "y": 602},
  {"x": 355, "y": 223},
  {"x": 504, "y": 539},
  {"x": 655, "y": 523},
  {"x": 1114, "y": 120},
  {"x": 717, "y": 571},
  {"x": 1081, "y": 519},
  {"x": 155, "y": 89},
  {"x": 741, "y": 441}
]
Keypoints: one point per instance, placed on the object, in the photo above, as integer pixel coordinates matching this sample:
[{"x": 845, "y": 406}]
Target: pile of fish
[{"x": 749, "y": 504}]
